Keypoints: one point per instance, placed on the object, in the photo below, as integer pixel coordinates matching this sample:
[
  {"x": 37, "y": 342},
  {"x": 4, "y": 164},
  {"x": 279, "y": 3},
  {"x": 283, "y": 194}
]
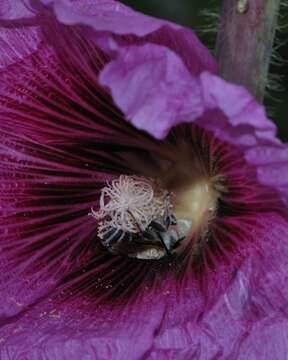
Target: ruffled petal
[
  {"x": 159, "y": 90},
  {"x": 230, "y": 111},
  {"x": 19, "y": 33},
  {"x": 243, "y": 115},
  {"x": 272, "y": 165},
  {"x": 250, "y": 314},
  {"x": 103, "y": 15},
  {"x": 160, "y": 93},
  {"x": 236, "y": 117},
  {"x": 13, "y": 9},
  {"x": 51, "y": 332},
  {"x": 108, "y": 21},
  {"x": 179, "y": 54}
]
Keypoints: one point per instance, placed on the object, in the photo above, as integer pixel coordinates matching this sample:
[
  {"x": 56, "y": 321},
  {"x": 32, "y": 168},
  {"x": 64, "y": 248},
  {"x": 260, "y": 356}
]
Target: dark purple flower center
[
  {"x": 65, "y": 139},
  {"x": 214, "y": 188}
]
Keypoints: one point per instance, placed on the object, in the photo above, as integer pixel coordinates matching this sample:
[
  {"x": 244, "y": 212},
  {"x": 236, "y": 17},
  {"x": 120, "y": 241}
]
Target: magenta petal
[
  {"x": 14, "y": 9},
  {"x": 16, "y": 44},
  {"x": 247, "y": 320},
  {"x": 107, "y": 19},
  {"x": 266, "y": 155},
  {"x": 17, "y": 40},
  {"x": 155, "y": 82},
  {"x": 274, "y": 174},
  {"x": 127, "y": 36},
  {"x": 272, "y": 164},
  {"x": 235, "y": 116},
  {"x": 242, "y": 111},
  {"x": 49, "y": 332},
  {"x": 104, "y": 15},
  {"x": 63, "y": 138}
]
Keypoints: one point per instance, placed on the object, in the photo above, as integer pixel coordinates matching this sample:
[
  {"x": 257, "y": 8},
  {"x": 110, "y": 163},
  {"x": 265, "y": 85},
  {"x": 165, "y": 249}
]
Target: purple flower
[{"x": 100, "y": 102}]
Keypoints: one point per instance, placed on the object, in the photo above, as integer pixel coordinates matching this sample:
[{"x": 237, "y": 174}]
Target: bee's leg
[
  {"x": 113, "y": 236},
  {"x": 135, "y": 221},
  {"x": 156, "y": 225},
  {"x": 146, "y": 238},
  {"x": 148, "y": 235},
  {"x": 156, "y": 229},
  {"x": 164, "y": 245},
  {"x": 170, "y": 220},
  {"x": 128, "y": 236},
  {"x": 145, "y": 242}
]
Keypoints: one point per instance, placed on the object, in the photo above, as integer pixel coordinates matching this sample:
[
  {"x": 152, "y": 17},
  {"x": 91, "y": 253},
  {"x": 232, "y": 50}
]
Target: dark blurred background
[{"x": 201, "y": 16}]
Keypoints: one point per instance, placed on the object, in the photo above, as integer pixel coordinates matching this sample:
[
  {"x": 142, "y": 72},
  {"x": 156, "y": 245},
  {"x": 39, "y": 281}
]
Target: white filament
[{"x": 130, "y": 203}]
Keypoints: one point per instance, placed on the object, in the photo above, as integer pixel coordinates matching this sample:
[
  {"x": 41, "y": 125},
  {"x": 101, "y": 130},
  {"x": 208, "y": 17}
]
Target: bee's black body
[{"x": 158, "y": 234}]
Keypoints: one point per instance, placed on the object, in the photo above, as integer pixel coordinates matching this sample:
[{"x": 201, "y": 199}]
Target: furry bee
[{"x": 161, "y": 235}]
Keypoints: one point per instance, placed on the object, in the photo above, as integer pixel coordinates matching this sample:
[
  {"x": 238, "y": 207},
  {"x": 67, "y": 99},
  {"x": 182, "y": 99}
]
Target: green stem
[{"x": 245, "y": 40}]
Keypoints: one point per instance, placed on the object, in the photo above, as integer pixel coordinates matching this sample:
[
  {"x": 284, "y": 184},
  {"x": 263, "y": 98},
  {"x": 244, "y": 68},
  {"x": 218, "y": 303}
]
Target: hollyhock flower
[{"x": 103, "y": 107}]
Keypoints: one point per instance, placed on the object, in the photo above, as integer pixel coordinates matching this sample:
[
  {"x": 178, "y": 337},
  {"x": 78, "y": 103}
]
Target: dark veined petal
[{"x": 57, "y": 151}]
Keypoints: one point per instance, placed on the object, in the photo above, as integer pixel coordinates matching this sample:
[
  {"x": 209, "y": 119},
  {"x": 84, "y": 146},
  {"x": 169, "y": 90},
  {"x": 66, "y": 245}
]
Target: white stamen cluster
[{"x": 130, "y": 203}]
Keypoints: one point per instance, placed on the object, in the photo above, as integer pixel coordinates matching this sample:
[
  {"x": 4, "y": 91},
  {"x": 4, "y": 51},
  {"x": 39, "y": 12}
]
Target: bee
[
  {"x": 135, "y": 218},
  {"x": 159, "y": 239}
]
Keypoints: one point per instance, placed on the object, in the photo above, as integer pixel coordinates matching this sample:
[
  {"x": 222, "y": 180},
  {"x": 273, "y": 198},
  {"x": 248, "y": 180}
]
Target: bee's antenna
[{"x": 164, "y": 245}]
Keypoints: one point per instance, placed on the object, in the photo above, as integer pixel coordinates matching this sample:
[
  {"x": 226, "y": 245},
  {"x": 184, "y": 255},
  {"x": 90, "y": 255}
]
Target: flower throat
[{"x": 139, "y": 218}]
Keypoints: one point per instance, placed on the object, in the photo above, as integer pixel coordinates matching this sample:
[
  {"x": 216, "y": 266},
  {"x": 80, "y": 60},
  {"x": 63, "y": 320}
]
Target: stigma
[{"x": 130, "y": 203}]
